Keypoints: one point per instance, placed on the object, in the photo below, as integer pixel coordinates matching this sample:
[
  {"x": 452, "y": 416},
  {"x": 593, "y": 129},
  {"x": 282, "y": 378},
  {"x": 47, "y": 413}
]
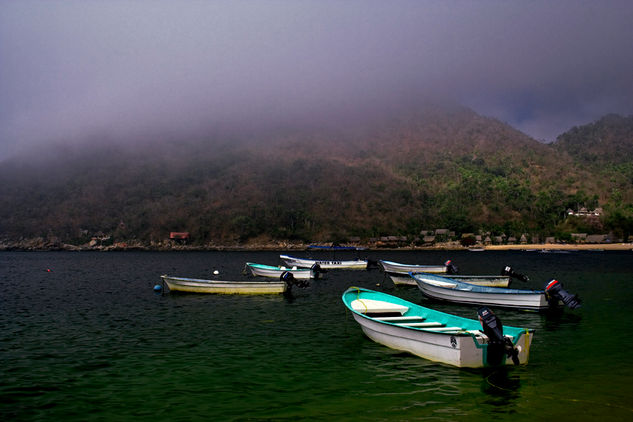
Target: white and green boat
[
  {"x": 438, "y": 336},
  {"x": 276, "y": 272}
]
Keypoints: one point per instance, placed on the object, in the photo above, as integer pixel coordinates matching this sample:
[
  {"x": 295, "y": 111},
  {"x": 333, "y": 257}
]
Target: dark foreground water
[{"x": 89, "y": 340}]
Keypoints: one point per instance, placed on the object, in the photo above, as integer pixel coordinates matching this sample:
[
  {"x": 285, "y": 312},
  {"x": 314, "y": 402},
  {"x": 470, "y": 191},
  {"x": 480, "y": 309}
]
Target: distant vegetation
[{"x": 430, "y": 169}]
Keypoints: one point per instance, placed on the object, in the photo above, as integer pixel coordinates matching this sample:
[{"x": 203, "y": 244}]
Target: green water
[{"x": 89, "y": 340}]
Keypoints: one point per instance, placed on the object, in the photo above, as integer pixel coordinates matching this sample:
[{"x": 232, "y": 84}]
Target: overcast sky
[{"x": 75, "y": 69}]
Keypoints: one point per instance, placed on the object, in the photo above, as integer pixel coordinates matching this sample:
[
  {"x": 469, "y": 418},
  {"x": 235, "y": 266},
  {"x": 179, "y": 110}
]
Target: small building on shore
[{"x": 180, "y": 237}]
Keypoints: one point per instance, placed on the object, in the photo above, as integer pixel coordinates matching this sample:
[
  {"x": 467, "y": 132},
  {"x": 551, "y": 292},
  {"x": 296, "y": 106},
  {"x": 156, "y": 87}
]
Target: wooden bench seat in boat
[
  {"x": 400, "y": 318},
  {"x": 370, "y": 306},
  {"x": 422, "y": 324},
  {"x": 446, "y": 329}
]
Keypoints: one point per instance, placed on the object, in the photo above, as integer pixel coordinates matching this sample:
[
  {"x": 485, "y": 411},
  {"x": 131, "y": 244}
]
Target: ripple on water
[{"x": 93, "y": 341}]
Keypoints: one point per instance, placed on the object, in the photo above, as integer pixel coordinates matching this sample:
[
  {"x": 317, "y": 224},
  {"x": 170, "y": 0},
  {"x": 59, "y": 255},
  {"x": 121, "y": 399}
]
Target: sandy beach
[{"x": 558, "y": 246}]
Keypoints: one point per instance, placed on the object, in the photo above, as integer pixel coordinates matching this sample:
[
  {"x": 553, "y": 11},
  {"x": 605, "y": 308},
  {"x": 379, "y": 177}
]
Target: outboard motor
[
  {"x": 507, "y": 270},
  {"x": 450, "y": 267},
  {"x": 287, "y": 277},
  {"x": 372, "y": 263},
  {"x": 554, "y": 292},
  {"x": 291, "y": 280},
  {"x": 316, "y": 269},
  {"x": 499, "y": 346}
]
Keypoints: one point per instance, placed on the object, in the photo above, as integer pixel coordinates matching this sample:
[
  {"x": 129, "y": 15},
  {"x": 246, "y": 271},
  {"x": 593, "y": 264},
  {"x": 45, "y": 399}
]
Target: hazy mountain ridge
[
  {"x": 419, "y": 170},
  {"x": 606, "y": 141}
]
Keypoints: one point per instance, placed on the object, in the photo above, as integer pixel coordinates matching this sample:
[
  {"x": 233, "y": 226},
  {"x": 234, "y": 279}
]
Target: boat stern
[{"x": 523, "y": 347}]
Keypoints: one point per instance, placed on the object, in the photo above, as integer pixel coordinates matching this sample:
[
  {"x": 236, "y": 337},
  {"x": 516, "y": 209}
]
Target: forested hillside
[
  {"x": 431, "y": 168},
  {"x": 603, "y": 150}
]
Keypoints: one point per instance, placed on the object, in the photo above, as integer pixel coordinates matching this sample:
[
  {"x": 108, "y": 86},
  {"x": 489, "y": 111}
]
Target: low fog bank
[
  {"x": 135, "y": 72},
  {"x": 336, "y": 123}
]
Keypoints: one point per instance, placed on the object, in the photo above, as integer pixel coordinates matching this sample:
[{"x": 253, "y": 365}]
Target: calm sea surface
[{"x": 90, "y": 340}]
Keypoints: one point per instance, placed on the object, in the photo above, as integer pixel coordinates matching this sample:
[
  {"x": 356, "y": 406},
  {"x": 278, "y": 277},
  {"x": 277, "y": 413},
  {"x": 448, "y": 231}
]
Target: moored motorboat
[
  {"x": 399, "y": 276},
  {"x": 195, "y": 285},
  {"x": 398, "y": 268},
  {"x": 276, "y": 272},
  {"x": 480, "y": 280},
  {"x": 326, "y": 264},
  {"x": 435, "y": 335},
  {"x": 453, "y": 290}
]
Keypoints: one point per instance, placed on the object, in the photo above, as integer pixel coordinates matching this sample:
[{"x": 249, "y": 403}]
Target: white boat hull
[
  {"x": 357, "y": 264},
  {"x": 397, "y": 268},
  {"x": 446, "y": 291},
  {"x": 463, "y": 350},
  {"x": 192, "y": 285},
  {"x": 478, "y": 280}
]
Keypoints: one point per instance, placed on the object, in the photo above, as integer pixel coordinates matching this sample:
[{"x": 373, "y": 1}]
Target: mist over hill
[
  {"x": 391, "y": 174},
  {"x": 604, "y": 142}
]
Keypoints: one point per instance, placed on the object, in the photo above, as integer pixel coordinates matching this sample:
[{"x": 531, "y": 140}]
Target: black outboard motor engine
[
  {"x": 316, "y": 269},
  {"x": 291, "y": 280},
  {"x": 507, "y": 270},
  {"x": 554, "y": 292},
  {"x": 499, "y": 346},
  {"x": 450, "y": 267},
  {"x": 372, "y": 263},
  {"x": 287, "y": 277}
]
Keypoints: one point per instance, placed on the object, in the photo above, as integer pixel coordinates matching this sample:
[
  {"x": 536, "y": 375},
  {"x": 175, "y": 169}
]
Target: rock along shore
[{"x": 40, "y": 244}]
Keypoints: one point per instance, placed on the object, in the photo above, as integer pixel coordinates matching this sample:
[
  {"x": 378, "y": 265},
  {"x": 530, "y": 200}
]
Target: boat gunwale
[
  {"x": 277, "y": 268},
  {"x": 405, "y": 266}
]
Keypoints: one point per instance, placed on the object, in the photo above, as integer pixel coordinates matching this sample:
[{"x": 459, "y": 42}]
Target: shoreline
[{"x": 282, "y": 246}]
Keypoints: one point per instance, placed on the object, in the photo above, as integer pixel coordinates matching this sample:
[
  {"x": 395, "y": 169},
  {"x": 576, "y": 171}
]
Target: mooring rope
[{"x": 359, "y": 299}]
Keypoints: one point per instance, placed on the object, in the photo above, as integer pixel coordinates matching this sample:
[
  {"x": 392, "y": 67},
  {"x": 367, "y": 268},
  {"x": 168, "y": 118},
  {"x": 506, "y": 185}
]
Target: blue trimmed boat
[
  {"x": 336, "y": 248},
  {"x": 326, "y": 264},
  {"x": 452, "y": 290},
  {"x": 329, "y": 264},
  {"x": 437, "y": 336}
]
